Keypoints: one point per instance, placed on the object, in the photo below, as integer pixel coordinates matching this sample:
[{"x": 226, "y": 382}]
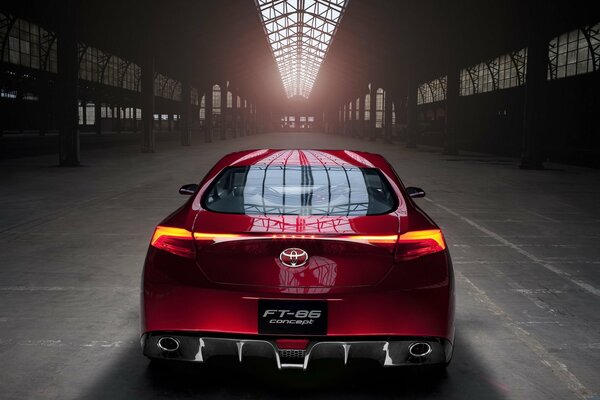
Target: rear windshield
[{"x": 300, "y": 190}]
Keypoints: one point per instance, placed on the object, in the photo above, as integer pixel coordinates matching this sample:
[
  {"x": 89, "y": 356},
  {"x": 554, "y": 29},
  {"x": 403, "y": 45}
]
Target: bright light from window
[{"x": 300, "y": 32}]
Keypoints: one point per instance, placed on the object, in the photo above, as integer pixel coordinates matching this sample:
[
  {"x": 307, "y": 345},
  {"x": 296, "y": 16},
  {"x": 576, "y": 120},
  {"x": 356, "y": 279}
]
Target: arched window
[
  {"x": 368, "y": 107},
  {"x": 194, "y": 96},
  {"x": 350, "y": 115},
  {"x": 229, "y": 99},
  {"x": 216, "y": 97},
  {"x": 379, "y": 108},
  {"x": 393, "y": 113},
  {"x": 202, "y": 114}
]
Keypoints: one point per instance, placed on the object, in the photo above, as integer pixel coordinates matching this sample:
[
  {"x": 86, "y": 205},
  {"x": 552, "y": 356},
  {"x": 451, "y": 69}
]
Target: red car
[{"x": 298, "y": 255}]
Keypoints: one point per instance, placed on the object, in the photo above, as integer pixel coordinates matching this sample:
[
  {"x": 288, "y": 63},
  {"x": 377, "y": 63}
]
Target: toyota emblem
[{"x": 293, "y": 257}]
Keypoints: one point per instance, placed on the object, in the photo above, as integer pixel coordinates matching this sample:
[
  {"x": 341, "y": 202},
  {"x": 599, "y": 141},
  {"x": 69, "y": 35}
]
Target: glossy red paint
[{"x": 352, "y": 264}]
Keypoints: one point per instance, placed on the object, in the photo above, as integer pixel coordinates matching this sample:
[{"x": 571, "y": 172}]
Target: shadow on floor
[{"x": 134, "y": 377}]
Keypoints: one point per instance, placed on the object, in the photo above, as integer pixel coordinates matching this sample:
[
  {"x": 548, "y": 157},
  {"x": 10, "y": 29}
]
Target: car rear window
[{"x": 300, "y": 190}]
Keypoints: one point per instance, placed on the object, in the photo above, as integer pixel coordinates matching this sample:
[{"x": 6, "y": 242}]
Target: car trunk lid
[{"x": 341, "y": 251}]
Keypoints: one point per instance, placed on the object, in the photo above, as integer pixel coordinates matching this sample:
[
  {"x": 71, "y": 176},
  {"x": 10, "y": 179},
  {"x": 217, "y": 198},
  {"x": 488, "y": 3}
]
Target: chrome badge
[{"x": 293, "y": 257}]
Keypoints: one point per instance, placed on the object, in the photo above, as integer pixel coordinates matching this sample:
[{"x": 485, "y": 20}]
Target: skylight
[{"x": 300, "y": 32}]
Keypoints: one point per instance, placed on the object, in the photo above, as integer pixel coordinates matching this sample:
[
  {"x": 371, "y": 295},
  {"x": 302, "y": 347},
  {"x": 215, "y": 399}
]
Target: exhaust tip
[
  {"x": 167, "y": 343},
  {"x": 419, "y": 349}
]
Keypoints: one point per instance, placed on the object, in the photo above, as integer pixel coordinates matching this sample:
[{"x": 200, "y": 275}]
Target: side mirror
[
  {"x": 188, "y": 189},
  {"x": 415, "y": 192}
]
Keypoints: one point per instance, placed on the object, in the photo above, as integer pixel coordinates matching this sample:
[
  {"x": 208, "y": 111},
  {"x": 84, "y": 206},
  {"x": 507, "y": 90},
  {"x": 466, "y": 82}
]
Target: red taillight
[
  {"x": 416, "y": 244},
  {"x": 174, "y": 240}
]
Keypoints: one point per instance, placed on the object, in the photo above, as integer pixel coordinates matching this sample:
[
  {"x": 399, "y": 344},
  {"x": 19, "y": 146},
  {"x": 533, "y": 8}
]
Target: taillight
[
  {"x": 174, "y": 240},
  {"x": 416, "y": 244}
]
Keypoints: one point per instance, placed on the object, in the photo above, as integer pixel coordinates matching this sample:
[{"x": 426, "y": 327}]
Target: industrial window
[
  {"x": 368, "y": 107},
  {"x": 27, "y": 44},
  {"x": 239, "y": 102},
  {"x": 202, "y": 112},
  {"x": 106, "y": 112},
  {"x": 379, "y": 108},
  {"x": 351, "y": 111},
  {"x": 357, "y": 109},
  {"x": 432, "y": 91},
  {"x": 486, "y": 77},
  {"x": 393, "y": 113},
  {"x": 131, "y": 77},
  {"x": 90, "y": 114},
  {"x": 167, "y": 88},
  {"x": 511, "y": 69},
  {"x": 300, "y": 33},
  {"x": 175, "y": 93},
  {"x": 89, "y": 65},
  {"x": 8, "y": 94},
  {"x": 216, "y": 99},
  {"x": 229, "y": 99},
  {"x": 159, "y": 82},
  {"x": 575, "y": 52},
  {"x": 467, "y": 87},
  {"x": 505, "y": 71},
  {"x": 111, "y": 72}
]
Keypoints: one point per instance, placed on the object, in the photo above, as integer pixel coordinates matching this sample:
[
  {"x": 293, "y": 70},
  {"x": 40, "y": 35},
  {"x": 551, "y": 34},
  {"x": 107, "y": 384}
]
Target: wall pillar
[
  {"x": 147, "y": 84},
  {"x": 98, "y": 115},
  {"x": 184, "y": 120},
  {"x": 234, "y": 112},
  {"x": 411, "y": 113},
  {"x": 373, "y": 121},
  {"x": 68, "y": 68},
  {"x": 533, "y": 151},
  {"x": 224, "y": 111},
  {"x": 387, "y": 118},
  {"x": 452, "y": 110},
  {"x": 208, "y": 113}
]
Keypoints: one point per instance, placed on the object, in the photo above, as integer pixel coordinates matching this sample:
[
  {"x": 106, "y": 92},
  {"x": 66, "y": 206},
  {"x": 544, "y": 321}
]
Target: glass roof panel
[{"x": 299, "y": 32}]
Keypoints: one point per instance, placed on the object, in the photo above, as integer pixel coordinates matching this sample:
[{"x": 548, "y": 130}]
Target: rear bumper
[
  {"x": 198, "y": 347},
  {"x": 427, "y": 312}
]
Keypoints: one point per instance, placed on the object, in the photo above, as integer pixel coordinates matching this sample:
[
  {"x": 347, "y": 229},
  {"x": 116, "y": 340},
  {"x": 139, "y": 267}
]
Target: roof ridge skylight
[{"x": 300, "y": 32}]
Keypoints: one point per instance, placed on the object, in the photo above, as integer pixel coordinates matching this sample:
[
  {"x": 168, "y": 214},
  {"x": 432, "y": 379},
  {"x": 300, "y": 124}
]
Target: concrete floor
[{"x": 72, "y": 243}]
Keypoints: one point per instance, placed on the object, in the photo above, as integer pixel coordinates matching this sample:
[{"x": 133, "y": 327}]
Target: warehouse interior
[{"x": 107, "y": 108}]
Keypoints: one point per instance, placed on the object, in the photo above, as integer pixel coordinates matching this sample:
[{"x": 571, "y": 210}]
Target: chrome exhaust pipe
[
  {"x": 168, "y": 343},
  {"x": 419, "y": 349}
]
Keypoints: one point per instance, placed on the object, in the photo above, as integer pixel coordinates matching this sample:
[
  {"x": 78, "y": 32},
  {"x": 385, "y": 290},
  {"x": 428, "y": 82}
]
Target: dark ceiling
[{"x": 377, "y": 40}]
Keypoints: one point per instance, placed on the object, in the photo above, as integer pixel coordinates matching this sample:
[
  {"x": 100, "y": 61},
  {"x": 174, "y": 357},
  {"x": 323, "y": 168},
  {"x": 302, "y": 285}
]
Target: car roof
[{"x": 306, "y": 157}]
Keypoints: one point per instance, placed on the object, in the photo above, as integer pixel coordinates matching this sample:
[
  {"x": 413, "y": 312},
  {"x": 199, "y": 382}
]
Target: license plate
[{"x": 291, "y": 317}]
